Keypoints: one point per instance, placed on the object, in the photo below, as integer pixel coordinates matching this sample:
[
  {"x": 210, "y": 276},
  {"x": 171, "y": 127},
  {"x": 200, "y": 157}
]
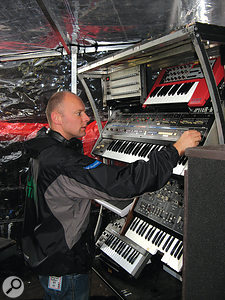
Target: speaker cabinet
[{"x": 204, "y": 227}]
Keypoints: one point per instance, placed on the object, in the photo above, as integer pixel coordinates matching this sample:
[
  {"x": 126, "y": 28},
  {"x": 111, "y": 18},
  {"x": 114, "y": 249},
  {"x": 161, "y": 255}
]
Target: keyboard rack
[{"x": 197, "y": 42}]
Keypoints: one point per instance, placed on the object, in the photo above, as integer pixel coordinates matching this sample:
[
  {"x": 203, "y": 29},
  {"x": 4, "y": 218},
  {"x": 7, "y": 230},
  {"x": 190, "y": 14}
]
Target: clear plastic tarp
[{"x": 26, "y": 25}]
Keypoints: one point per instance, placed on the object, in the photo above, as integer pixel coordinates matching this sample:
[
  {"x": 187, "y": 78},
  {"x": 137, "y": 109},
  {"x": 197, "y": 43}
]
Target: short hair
[{"x": 55, "y": 100}]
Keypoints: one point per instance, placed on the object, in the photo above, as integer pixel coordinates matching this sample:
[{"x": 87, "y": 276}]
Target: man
[{"x": 57, "y": 240}]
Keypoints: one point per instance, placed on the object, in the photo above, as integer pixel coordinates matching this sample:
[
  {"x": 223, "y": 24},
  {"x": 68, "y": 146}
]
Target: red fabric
[
  {"x": 18, "y": 132},
  {"x": 92, "y": 134}
]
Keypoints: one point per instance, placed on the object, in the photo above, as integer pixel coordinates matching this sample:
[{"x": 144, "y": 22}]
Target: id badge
[{"x": 55, "y": 283}]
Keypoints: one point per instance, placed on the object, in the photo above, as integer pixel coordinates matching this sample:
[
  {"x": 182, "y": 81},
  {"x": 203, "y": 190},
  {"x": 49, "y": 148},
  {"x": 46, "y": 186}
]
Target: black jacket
[{"x": 57, "y": 239}]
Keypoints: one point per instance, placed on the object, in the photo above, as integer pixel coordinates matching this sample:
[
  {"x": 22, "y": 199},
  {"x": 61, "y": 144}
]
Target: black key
[
  {"x": 149, "y": 231},
  {"x": 150, "y": 150},
  {"x": 164, "y": 90},
  {"x": 178, "y": 249},
  {"x": 184, "y": 160},
  {"x": 158, "y": 238},
  {"x": 115, "y": 146},
  {"x": 155, "y": 237},
  {"x": 123, "y": 146},
  {"x": 134, "y": 257},
  {"x": 120, "y": 146},
  {"x": 130, "y": 253},
  {"x": 130, "y": 148},
  {"x": 118, "y": 246},
  {"x": 153, "y": 148},
  {"x": 181, "y": 160},
  {"x": 179, "y": 255},
  {"x": 156, "y": 90},
  {"x": 114, "y": 244},
  {"x": 126, "y": 252},
  {"x": 112, "y": 241},
  {"x": 109, "y": 240},
  {"x": 144, "y": 229},
  {"x": 122, "y": 248},
  {"x": 111, "y": 145},
  {"x": 140, "y": 149},
  {"x": 134, "y": 148},
  {"x": 157, "y": 147},
  {"x": 190, "y": 84},
  {"x": 124, "y": 149},
  {"x": 174, "y": 89},
  {"x": 143, "y": 150},
  {"x": 181, "y": 89},
  {"x": 137, "y": 149},
  {"x": 161, "y": 239},
  {"x": 151, "y": 234},
  {"x": 149, "y": 146},
  {"x": 130, "y": 256},
  {"x": 137, "y": 224},
  {"x": 170, "y": 243},
  {"x": 140, "y": 227},
  {"x": 174, "y": 248},
  {"x": 185, "y": 88},
  {"x": 133, "y": 223},
  {"x": 167, "y": 241}
]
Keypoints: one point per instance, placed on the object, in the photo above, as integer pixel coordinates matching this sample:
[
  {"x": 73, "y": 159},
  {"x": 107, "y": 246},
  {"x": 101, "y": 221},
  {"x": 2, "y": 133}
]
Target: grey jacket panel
[{"x": 69, "y": 201}]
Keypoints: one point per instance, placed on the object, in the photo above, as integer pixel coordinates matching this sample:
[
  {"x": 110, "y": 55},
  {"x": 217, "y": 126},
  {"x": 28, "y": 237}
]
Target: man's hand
[{"x": 190, "y": 138}]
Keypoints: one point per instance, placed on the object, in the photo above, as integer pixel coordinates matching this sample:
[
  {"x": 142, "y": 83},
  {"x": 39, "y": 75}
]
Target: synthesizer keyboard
[
  {"x": 153, "y": 239},
  {"x": 124, "y": 252},
  {"x": 129, "y": 137},
  {"x": 158, "y": 224},
  {"x": 183, "y": 84},
  {"x": 129, "y": 152}
]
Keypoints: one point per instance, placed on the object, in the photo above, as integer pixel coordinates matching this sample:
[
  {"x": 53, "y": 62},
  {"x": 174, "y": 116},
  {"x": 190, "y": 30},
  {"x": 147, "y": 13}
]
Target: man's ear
[{"x": 56, "y": 118}]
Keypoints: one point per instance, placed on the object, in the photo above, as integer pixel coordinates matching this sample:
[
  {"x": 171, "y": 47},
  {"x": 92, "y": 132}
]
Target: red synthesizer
[{"x": 183, "y": 84}]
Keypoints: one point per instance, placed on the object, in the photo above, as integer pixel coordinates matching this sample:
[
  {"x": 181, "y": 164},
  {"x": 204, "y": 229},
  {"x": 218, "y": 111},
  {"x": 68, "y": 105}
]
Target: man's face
[{"x": 73, "y": 117}]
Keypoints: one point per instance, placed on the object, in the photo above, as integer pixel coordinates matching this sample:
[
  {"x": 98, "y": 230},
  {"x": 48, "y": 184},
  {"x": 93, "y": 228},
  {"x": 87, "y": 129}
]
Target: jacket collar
[{"x": 73, "y": 143}]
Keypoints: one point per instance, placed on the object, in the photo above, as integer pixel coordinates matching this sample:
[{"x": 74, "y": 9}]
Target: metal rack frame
[{"x": 195, "y": 42}]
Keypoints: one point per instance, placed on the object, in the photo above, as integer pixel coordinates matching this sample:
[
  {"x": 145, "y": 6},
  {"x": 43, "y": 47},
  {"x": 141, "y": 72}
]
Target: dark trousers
[{"x": 67, "y": 287}]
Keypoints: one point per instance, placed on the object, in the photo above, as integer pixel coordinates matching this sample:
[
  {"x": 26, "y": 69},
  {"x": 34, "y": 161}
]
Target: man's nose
[{"x": 86, "y": 118}]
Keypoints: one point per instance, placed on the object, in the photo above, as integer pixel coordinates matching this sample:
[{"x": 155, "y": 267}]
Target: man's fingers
[
  {"x": 190, "y": 138},
  {"x": 195, "y": 134}
]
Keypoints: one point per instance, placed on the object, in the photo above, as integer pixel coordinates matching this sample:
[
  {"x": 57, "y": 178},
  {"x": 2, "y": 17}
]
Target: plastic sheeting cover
[
  {"x": 26, "y": 86},
  {"x": 24, "y": 27}
]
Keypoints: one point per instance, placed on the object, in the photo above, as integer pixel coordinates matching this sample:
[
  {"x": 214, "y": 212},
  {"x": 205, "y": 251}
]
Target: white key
[
  {"x": 183, "y": 98},
  {"x": 123, "y": 262},
  {"x": 172, "y": 261},
  {"x": 129, "y": 158},
  {"x": 141, "y": 240}
]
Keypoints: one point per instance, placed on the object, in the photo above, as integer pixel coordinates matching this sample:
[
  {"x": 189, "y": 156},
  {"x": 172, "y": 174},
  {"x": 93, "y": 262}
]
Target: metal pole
[
  {"x": 93, "y": 106},
  {"x": 211, "y": 83},
  {"x": 74, "y": 69},
  {"x": 97, "y": 118}
]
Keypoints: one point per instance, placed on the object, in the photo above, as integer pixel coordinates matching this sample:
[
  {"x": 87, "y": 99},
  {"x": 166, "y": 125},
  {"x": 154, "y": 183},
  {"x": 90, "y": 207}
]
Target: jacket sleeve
[{"x": 97, "y": 180}]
